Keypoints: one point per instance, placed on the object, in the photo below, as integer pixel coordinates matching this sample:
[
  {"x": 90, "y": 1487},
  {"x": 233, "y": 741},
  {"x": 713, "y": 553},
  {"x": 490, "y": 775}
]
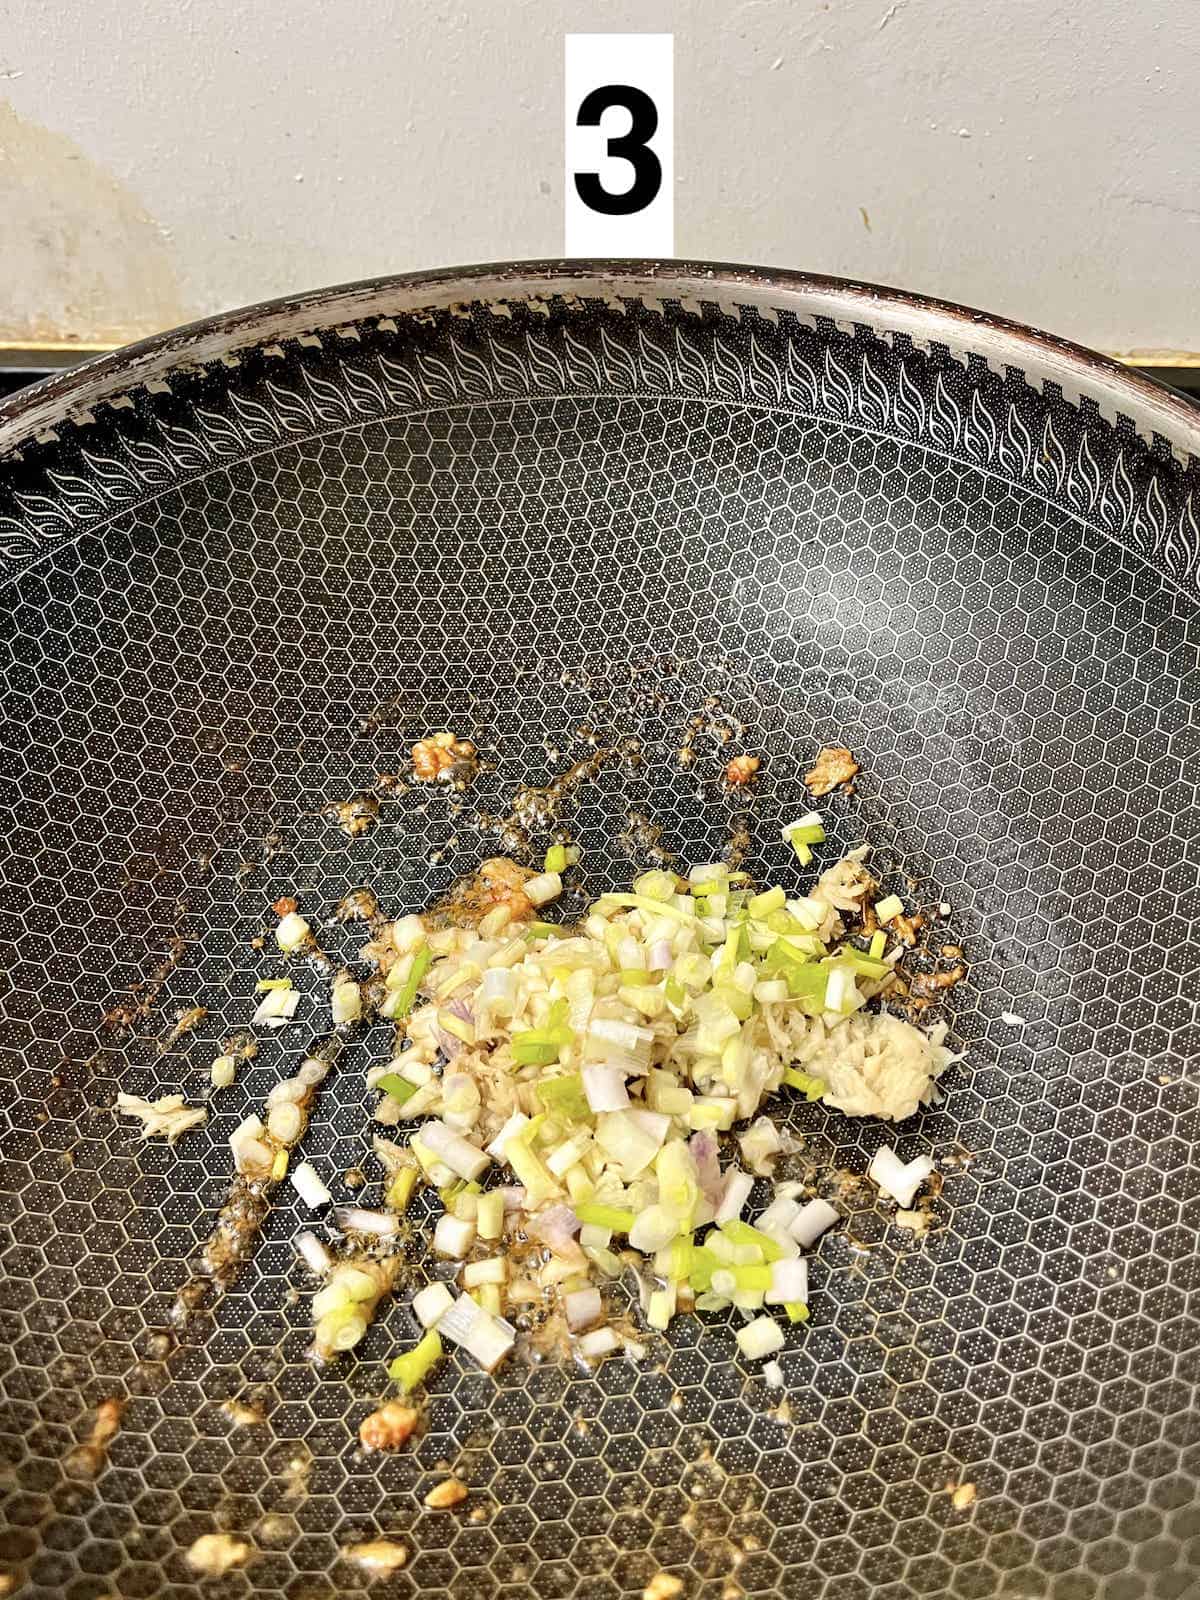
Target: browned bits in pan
[
  {"x": 388, "y": 1428},
  {"x": 834, "y": 768}
]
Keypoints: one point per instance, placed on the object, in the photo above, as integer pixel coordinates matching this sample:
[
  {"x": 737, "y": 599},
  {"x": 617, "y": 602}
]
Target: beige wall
[{"x": 1035, "y": 157}]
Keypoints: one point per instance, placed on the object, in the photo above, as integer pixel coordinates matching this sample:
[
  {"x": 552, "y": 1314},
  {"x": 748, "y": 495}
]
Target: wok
[{"x": 546, "y": 505}]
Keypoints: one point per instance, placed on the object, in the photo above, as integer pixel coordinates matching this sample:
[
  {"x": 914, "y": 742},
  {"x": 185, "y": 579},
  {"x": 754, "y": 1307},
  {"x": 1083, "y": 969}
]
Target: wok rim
[{"x": 1079, "y": 371}]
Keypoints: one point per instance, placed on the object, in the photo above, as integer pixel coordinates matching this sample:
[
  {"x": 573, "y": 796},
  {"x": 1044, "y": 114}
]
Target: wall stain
[{"x": 83, "y": 259}]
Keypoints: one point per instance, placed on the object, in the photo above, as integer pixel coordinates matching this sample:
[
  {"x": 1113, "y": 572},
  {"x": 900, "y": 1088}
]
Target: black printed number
[{"x": 631, "y": 147}]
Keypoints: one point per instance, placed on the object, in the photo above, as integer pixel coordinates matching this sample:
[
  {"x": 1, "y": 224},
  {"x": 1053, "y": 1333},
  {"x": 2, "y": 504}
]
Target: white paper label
[{"x": 620, "y": 144}]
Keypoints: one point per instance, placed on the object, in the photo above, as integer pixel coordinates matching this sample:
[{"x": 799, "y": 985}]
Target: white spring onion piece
[
  {"x": 584, "y": 1308},
  {"x": 737, "y": 1191},
  {"x": 515, "y": 1123},
  {"x": 288, "y": 1091},
  {"x": 653, "y": 1229},
  {"x": 292, "y": 932},
  {"x": 222, "y": 1072},
  {"x": 453, "y": 1236},
  {"x": 285, "y": 1122},
  {"x": 760, "y": 1144},
  {"x": 497, "y": 991},
  {"x": 789, "y": 1281},
  {"x": 314, "y": 1253},
  {"x": 841, "y": 992},
  {"x": 629, "y": 1144},
  {"x": 600, "y": 1342},
  {"x": 431, "y": 1304},
  {"x": 249, "y": 1128},
  {"x": 809, "y": 913},
  {"x": 357, "y": 1219},
  {"x": 493, "y": 1270},
  {"x": 407, "y": 934},
  {"x": 771, "y": 991},
  {"x": 897, "y": 1179},
  {"x": 310, "y": 1186},
  {"x": 811, "y": 1221},
  {"x": 604, "y": 1086},
  {"x": 760, "y": 1338},
  {"x": 661, "y": 955},
  {"x": 781, "y": 1213},
  {"x": 773, "y": 1375},
  {"x": 346, "y": 1002},
  {"x": 890, "y": 906},
  {"x": 313, "y": 1071},
  {"x": 811, "y": 819},
  {"x": 463, "y": 1158},
  {"x": 489, "y": 1215},
  {"x": 626, "y": 1036},
  {"x": 653, "y": 1123},
  {"x": 541, "y": 890},
  {"x": 487, "y": 1338},
  {"x": 566, "y": 1155},
  {"x": 594, "y": 1237},
  {"x": 276, "y": 1007}
]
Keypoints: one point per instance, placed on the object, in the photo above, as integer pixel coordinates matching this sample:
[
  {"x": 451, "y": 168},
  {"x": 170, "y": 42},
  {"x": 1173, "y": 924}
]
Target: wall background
[{"x": 1033, "y": 157}]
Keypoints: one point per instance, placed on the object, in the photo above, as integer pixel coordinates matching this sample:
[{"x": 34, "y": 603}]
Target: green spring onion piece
[
  {"x": 890, "y": 906},
  {"x": 812, "y": 1088},
  {"x": 635, "y": 978},
  {"x": 709, "y": 886},
  {"x": 752, "y": 1277},
  {"x": 639, "y": 902},
  {"x": 556, "y": 858},
  {"x": 797, "y": 1311},
  {"x": 399, "y": 1088},
  {"x": 682, "y": 1254},
  {"x": 410, "y": 1370},
  {"x": 602, "y": 1216},
  {"x": 544, "y": 930},
  {"x": 704, "y": 1264},
  {"x": 264, "y": 984},
  {"x": 784, "y": 922},
  {"x": 809, "y": 833},
  {"x": 406, "y": 994},
  {"x": 803, "y": 854},
  {"x": 531, "y": 1052},
  {"x": 675, "y": 992},
  {"x": 745, "y": 1233},
  {"x": 400, "y": 1190},
  {"x": 808, "y": 983},
  {"x": 863, "y": 963},
  {"x": 738, "y": 1001},
  {"x": 878, "y": 943},
  {"x": 565, "y": 1096},
  {"x": 761, "y": 905}
]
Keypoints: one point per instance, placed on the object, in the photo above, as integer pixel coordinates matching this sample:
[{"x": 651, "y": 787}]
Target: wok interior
[{"x": 189, "y": 688}]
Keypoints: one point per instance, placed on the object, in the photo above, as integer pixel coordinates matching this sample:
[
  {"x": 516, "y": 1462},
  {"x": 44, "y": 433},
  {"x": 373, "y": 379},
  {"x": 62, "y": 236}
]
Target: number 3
[{"x": 631, "y": 147}]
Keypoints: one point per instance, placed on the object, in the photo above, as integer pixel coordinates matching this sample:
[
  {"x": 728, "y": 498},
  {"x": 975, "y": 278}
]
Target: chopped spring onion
[
  {"x": 489, "y": 1215},
  {"x": 788, "y": 1281},
  {"x": 310, "y": 1186},
  {"x": 584, "y": 1308},
  {"x": 604, "y": 1087},
  {"x": 357, "y": 1219},
  {"x": 811, "y": 1088},
  {"x": 222, "y": 1072},
  {"x": 546, "y": 930},
  {"x": 406, "y": 994},
  {"x": 409, "y": 1371},
  {"x": 478, "y": 1273},
  {"x": 278, "y": 1005},
  {"x": 399, "y": 1088},
  {"x": 459, "y": 1154},
  {"x": 811, "y": 1221},
  {"x": 530, "y": 1169},
  {"x": 314, "y": 1253},
  {"x": 266, "y": 985},
  {"x": 896, "y": 1179},
  {"x": 878, "y": 943},
  {"x": 745, "y": 1233},
  {"x": 604, "y": 1216},
  {"x": 292, "y": 932},
  {"x": 450, "y": 1022},
  {"x": 565, "y": 1097},
  {"x": 542, "y": 889},
  {"x": 797, "y": 1311},
  {"x": 431, "y": 1303},
  {"x": 400, "y": 1189},
  {"x": 346, "y": 1002},
  {"x": 488, "y": 1338},
  {"x": 761, "y": 905},
  {"x": 556, "y": 858},
  {"x": 514, "y": 1125},
  {"x": 890, "y": 906},
  {"x": 453, "y": 1237},
  {"x": 760, "y": 1338},
  {"x": 600, "y": 1342}
]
